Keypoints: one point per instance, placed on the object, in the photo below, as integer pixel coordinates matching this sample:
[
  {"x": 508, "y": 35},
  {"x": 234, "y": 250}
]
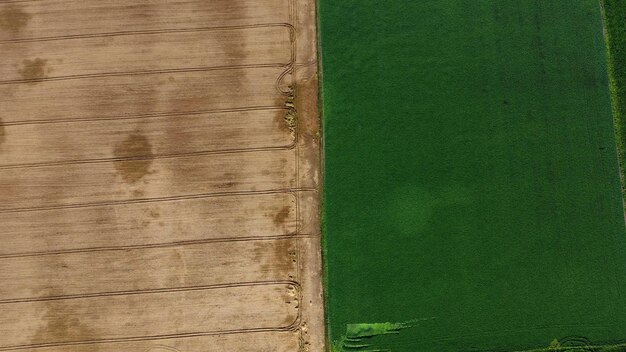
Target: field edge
[{"x": 614, "y": 26}]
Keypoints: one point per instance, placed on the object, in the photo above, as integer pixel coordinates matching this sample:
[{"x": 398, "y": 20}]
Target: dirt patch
[
  {"x": 277, "y": 256},
  {"x": 135, "y": 146},
  {"x": 281, "y": 216},
  {"x": 154, "y": 213},
  {"x": 33, "y": 70},
  {"x": 13, "y": 18},
  {"x": 60, "y": 322},
  {"x": 60, "y": 326},
  {"x": 2, "y": 132}
]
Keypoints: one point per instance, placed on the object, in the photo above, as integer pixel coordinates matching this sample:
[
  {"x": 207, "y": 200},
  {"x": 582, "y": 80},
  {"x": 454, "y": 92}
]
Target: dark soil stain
[
  {"x": 33, "y": 70},
  {"x": 61, "y": 322},
  {"x": 2, "y": 133},
  {"x": 281, "y": 216},
  {"x": 62, "y": 326},
  {"x": 281, "y": 123},
  {"x": 228, "y": 185},
  {"x": 235, "y": 47},
  {"x": 277, "y": 256},
  {"x": 154, "y": 213},
  {"x": 136, "y": 145},
  {"x": 13, "y": 18},
  {"x": 232, "y": 43}
]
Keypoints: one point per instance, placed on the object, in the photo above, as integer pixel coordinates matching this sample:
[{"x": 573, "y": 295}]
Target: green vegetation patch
[
  {"x": 358, "y": 337},
  {"x": 471, "y": 173},
  {"x": 371, "y": 337}
]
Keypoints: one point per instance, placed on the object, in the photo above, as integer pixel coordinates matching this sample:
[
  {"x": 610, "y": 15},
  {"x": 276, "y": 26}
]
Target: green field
[{"x": 472, "y": 192}]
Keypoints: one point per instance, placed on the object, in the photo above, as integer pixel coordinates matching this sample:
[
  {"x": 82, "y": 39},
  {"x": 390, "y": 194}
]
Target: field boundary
[{"x": 614, "y": 29}]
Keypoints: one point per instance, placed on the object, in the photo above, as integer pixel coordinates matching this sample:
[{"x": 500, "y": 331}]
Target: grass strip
[{"x": 614, "y": 14}]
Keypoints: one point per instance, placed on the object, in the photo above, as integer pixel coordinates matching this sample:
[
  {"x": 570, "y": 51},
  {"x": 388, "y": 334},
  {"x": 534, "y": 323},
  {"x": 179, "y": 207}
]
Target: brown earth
[{"x": 159, "y": 176}]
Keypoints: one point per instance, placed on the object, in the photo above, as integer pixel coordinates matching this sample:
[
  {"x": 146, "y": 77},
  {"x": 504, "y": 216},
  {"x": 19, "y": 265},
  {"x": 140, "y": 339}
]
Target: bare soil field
[{"x": 159, "y": 176}]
